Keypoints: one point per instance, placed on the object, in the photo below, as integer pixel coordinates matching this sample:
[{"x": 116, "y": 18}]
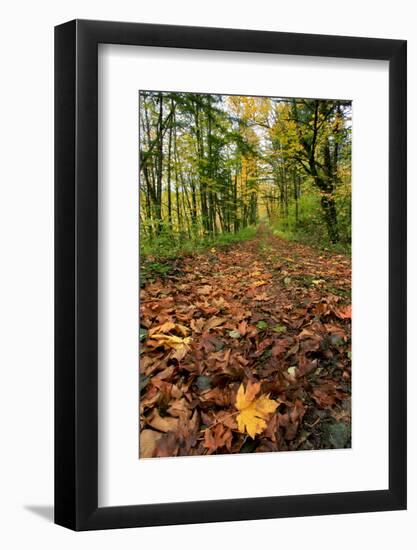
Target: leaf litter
[{"x": 243, "y": 355}]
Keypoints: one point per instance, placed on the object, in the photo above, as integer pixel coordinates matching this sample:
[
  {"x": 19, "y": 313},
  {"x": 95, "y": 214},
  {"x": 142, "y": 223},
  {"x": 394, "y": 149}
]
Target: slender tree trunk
[
  {"x": 202, "y": 175},
  {"x": 235, "y": 216},
  {"x": 169, "y": 172},
  {"x": 158, "y": 206},
  {"x": 295, "y": 184},
  {"x": 177, "y": 191}
]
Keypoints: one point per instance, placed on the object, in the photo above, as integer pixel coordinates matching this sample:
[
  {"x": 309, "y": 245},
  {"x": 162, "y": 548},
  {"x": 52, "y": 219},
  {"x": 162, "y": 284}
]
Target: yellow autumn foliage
[
  {"x": 253, "y": 413},
  {"x": 170, "y": 341}
]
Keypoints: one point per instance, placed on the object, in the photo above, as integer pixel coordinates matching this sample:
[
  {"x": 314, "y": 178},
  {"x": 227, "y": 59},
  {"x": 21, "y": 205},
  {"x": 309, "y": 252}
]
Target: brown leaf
[
  {"x": 179, "y": 407},
  {"x": 217, "y": 397},
  {"x": 310, "y": 345},
  {"x": 243, "y": 327},
  {"x": 263, "y": 297},
  {"x": 166, "y": 373},
  {"x": 148, "y": 441},
  {"x": 271, "y": 429},
  {"x": 204, "y": 290},
  {"x": 227, "y": 420},
  {"x": 343, "y": 312},
  {"x": 325, "y": 395},
  {"x": 280, "y": 347},
  {"x": 217, "y": 437},
  {"x": 293, "y": 350},
  {"x": 213, "y": 322},
  {"x": 210, "y": 343},
  {"x": 298, "y": 411},
  {"x": 163, "y": 424},
  {"x": 150, "y": 398},
  {"x": 163, "y": 329},
  {"x": 197, "y": 325},
  {"x": 167, "y": 445}
]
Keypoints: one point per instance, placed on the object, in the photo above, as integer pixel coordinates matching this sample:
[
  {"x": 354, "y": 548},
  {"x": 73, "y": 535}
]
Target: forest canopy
[{"x": 212, "y": 167}]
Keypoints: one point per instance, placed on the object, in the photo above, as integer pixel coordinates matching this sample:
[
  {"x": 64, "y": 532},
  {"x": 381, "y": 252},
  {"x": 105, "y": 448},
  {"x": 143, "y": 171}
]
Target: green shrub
[{"x": 311, "y": 227}]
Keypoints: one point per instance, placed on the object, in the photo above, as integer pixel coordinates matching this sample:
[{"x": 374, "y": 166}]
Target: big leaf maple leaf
[{"x": 253, "y": 412}]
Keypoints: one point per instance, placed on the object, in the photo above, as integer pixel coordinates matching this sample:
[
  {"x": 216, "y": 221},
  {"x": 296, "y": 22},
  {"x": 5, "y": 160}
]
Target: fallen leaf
[
  {"x": 280, "y": 347},
  {"x": 243, "y": 327},
  {"x": 291, "y": 371},
  {"x": 259, "y": 283},
  {"x": 213, "y": 322},
  {"x": 163, "y": 424},
  {"x": 204, "y": 290},
  {"x": 179, "y": 407},
  {"x": 253, "y": 412},
  {"x": 344, "y": 312},
  {"x": 197, "y": 325},
  {"x": 216, "y": 396},
  {"x": 263, "y": 297},
  {"x": 169, "y": 341},
  {"x": 217, "y": 437},
  {"x": 147, "y": 443},
  {"x": 163, "y": 329}
]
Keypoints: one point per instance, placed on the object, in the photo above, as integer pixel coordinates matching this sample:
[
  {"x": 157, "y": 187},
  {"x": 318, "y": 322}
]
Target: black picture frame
[{"x": 76, "y": 272}]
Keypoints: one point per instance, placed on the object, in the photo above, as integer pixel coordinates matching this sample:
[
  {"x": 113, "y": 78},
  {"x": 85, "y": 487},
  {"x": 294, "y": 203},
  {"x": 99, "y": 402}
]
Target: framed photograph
[{"x": 230, "y": 253}]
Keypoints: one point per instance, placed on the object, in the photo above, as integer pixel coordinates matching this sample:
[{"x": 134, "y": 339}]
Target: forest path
[{"x": 264, "y": 310}]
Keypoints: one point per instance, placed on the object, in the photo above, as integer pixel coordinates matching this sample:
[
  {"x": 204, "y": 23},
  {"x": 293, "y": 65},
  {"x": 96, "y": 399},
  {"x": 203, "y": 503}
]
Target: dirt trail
[{"x": 265, "y": 310}]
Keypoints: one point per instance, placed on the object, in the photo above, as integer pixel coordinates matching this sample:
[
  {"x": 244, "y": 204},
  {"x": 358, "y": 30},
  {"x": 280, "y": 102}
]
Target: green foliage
[
  {"x": 152, "y": 269},
  {"x": 280, "y": 329},
  {"x": 158, "y": 257},
  {"x": 310, "y": 227},
  {"x": 212, "y": 166}
]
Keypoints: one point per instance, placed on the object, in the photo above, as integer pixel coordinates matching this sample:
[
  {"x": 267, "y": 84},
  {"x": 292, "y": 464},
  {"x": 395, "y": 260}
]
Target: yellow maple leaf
[
  {"x": 253, "y": 412},
  {"x": 167, "y": 327},
  {"x": 169, "y": 341},
  {"x": 259, "y": 283}
]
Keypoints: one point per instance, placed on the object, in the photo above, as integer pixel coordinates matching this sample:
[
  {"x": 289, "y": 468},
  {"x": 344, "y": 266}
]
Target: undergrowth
[{"x": 160, "y": 257}]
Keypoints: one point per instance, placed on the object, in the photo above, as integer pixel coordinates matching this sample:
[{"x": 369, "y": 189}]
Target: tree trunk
[
  {"x": 169, "y": 172},
  {"x": 158, "y": 205},
  {"x": 330, "y": 217}
]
